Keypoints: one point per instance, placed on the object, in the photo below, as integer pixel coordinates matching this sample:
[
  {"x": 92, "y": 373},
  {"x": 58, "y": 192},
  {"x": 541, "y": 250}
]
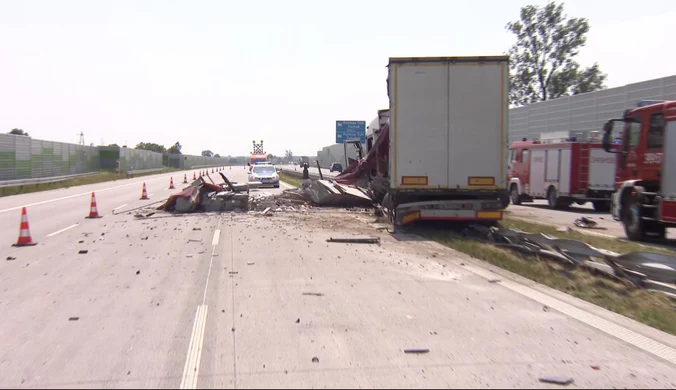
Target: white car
[{"x": 265, "y": 174}]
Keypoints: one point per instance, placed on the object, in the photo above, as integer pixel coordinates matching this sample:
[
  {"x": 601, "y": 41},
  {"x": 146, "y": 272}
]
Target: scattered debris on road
[
  {"x": 83, "y": 252},
  {"x": 10, "y": 258},
  {"x": 494, "y": 281},
  {"x": 355, "y": 240},
  {"x": 298, "y": 321},
  {"x": 74, "y": 319},
  {"x": 138, "y": 272},
  {"x": 315, "y": 359}
]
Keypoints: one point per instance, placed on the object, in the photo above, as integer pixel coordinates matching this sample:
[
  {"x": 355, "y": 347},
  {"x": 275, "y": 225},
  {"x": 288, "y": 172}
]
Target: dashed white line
[
  {"x": 119, "y": 207},
  {"x": 192, "y": 361},
  {"x": 217, "y": 237},
  {"x": 62, "y": 230}
]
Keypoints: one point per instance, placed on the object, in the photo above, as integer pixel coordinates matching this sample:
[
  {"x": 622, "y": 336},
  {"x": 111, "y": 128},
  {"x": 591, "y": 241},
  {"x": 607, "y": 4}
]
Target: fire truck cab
[
  {"x": 645, "y": 148},
  {"x": 562, "y": 170}
]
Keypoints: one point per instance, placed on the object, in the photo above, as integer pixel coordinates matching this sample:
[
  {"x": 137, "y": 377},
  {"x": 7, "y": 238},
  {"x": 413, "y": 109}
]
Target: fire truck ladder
[{"x": 585, "y": 156}]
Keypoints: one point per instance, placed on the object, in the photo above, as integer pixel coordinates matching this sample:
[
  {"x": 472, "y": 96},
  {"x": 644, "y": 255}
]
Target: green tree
[
  {"x": 217, "y": 155},
  {"x": 288, "y": 155},
  {"x": 151, "y": 146},
  {"x": 175, "y": 148},
  {"x": 114, "y": 145},
  {"x": 18, "y": 132},
  {"x": 542, "y": 61},
  {"x": 207, "y": 153}
]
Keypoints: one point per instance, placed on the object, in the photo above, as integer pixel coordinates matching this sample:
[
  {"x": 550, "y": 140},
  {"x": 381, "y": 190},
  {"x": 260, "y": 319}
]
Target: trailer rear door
[{"x": 668, "y": 209}]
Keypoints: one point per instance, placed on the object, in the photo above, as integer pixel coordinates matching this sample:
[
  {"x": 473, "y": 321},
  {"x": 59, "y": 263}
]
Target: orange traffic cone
[
  {"x": 93, "y": 210},
  {"x": 144, "y": 194},
  {"x": 185, "y": 178},
  {"x": 194, "y": 176},
  {"x": 24, "y": 232},
  {"x": 171, "y": 184}
]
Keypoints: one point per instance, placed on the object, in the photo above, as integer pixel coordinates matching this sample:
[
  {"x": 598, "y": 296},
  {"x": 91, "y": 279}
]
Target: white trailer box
[{"x": 448, "y": 122}]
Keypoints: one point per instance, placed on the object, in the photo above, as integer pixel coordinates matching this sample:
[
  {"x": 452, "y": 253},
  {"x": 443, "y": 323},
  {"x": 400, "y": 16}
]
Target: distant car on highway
[
  {"x": 266, "y": 174},
  {"x": 337, "y": 167}
]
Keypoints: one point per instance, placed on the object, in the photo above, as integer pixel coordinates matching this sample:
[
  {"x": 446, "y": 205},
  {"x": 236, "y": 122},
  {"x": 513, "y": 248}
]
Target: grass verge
[
  {"x": 651, "y": 308},
  {"x": 290, "y": 180},
  {"x": 100, "y": 177}
]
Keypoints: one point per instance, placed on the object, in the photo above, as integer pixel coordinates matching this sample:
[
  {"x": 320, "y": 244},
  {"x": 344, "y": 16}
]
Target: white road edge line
[
  {"x": 119, "y": 207},
  {"x": 62, "y": 230},
  {"x": 192, "y": 362},
  {"x": 641, "y": 342}
]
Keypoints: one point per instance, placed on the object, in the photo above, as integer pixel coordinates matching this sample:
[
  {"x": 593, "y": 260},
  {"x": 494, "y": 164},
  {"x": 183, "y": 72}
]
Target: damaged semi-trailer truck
[{"x": 447, "y": 136}]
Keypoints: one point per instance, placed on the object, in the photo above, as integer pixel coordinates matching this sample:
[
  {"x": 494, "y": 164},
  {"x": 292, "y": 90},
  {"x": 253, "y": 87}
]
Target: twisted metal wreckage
[{"x": 640, "y": 269}]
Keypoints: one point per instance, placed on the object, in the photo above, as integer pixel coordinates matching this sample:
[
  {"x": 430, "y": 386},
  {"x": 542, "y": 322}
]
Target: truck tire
[
  {"x": 514, "y": 195},
  {"x": 602, "y": 205},
  {"x": 634, "y": 226}
]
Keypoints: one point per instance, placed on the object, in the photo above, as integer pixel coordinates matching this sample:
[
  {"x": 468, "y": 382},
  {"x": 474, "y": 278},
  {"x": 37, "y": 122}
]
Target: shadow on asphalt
[{"x": 571, "y": 209}]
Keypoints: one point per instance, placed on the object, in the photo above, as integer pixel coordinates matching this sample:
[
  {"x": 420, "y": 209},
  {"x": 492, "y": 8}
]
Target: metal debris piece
[
  {"x": 138, "y": 272},
  {"x": 250, "y": 263},
  {"x": 10, "y": 258},
  {"x": 355, "y": 240},
  {"x": 314, "y": 294},
  {"x": 587, "y": 223},
  {"x": 298, "y": 321},
  {"x": 557, "y": 380},
  {"x": 417, "y": 350},
  {"x": 315, "y": 359},
  {"x": 73, "y": 318},
  {"x": 494, "y": 281},
  {"x": 267, "y": 212},
  {"x": 83, "y": 252}
]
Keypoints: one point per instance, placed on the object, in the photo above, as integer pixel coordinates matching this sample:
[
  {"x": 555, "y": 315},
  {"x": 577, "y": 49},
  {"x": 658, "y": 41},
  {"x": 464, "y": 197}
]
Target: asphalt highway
[{"x": 244, "y": 300}]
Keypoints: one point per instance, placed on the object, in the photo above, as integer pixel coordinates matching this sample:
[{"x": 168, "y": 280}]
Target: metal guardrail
[
  {"x": 137, "y": 171},
  {"x": 41, "y": 180}
]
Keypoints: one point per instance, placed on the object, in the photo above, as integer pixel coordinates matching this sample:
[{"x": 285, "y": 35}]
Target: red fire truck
[
  {"x": 563, "y": 171},
  {"x": 645, "y": 196}
]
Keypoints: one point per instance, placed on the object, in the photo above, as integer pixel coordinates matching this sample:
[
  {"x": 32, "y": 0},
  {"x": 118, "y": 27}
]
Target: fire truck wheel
[
  {"x": 552, "y": 199},
  {"x": 514, "y": 195},
  {"x": 634, "y": 226},
  {"x": 602, "y": 205}
]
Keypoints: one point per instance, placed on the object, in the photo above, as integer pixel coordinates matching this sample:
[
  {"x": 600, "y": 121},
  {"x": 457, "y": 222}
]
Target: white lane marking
[
  {"x": 62, "y": 230},
  {"x": 192, "y": 361},
  {"x": 119, "y": 207},
  {"x": 81, "y": 194},
  {"x": 646, "y": 344},
  {"x": 149, "y": 195}
]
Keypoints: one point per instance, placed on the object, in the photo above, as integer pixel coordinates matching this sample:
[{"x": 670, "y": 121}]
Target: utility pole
[{"x": 81, "y": 141}]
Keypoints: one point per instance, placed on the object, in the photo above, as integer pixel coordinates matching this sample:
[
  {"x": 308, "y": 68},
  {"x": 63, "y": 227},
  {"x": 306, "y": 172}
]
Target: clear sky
[{"x": 218, "y": 74}]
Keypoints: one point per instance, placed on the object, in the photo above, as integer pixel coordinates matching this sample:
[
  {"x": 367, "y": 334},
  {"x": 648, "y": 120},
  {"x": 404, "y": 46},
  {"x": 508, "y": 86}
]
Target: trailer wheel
[{"x": 514, "y": 195}]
